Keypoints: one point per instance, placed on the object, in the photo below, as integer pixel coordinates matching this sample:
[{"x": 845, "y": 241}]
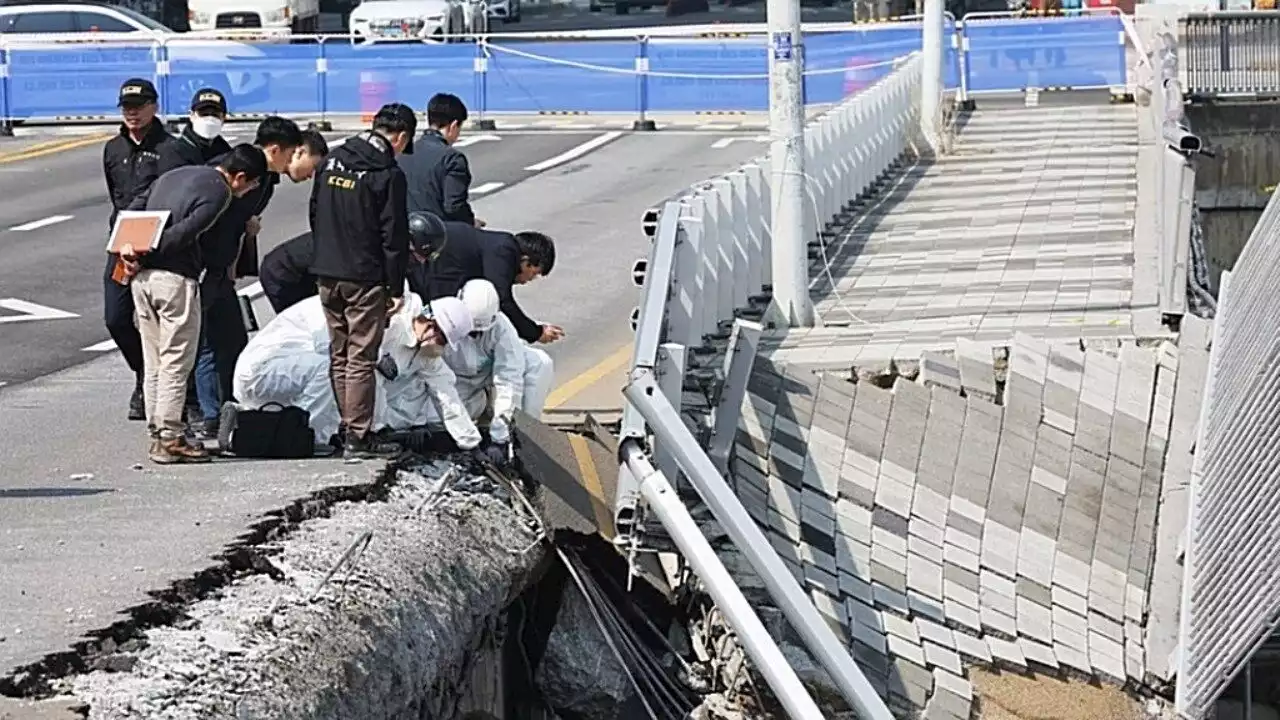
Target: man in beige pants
[{"x": 166, "y": 288}]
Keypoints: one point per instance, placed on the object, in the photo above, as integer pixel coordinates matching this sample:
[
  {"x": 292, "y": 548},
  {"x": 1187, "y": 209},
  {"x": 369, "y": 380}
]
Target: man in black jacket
[
  {"x": 359, "y": 224},
  {"x": 129, "y": 162},
  {"x": 200, "y": 141},
  {"x": 503, "y": 259},
  {"x": 165, "y": 286},
  {"x": 439, "y": 176}
]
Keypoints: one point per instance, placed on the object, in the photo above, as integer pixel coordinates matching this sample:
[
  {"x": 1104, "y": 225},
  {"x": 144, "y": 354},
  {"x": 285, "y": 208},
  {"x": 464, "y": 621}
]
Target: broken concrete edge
[
  {"x": 240, "y": 558},
  {"x": 404, "y": 627}
]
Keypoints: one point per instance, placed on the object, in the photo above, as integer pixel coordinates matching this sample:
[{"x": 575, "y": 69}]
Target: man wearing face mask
[
  {"x": 290, "y": 153},
  {"x": 200, "y": 141},
  {"x": 359, "y": 225},
  {"x": 129, "y": 162},
  {"x": 165, "y": 286}
]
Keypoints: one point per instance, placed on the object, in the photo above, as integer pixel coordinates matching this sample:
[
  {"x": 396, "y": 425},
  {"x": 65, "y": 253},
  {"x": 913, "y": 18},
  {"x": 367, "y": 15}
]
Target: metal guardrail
[
  {"x": 1231, "y": 589},
  {"x": 646, "y": 71},
  {"x": 1231, "y": 53}
]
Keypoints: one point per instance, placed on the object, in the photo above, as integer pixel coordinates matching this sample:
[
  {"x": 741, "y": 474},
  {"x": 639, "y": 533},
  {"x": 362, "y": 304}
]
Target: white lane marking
[
  {"x": 31, "y": 311},
  {"x": 718, "y": 126},
  {"x": 722, "y": 143},
  {"x": 726, "y": 142},
  {"x": 37, "y": 224},
  {"x": 103, "y": 346},
  {"x": 575, "y": 152},
  {"x": 486, "y": 188},
  {"x": 473, "y": 139}
]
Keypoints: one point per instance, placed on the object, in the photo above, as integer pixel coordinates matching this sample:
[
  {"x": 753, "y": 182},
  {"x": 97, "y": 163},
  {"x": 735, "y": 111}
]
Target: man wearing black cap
[
  {"x": 130, "y": 163},
  {"x": 360, "y": 229},
  {"x": 201, "y": 139}
]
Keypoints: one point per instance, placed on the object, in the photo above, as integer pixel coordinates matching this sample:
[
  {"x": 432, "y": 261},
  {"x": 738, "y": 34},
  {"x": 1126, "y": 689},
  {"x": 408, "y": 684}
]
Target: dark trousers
[
  {"x": 118, "y": 312},
  {"x": 356, "y": 315},
  {"x": 222, "y": 339}
]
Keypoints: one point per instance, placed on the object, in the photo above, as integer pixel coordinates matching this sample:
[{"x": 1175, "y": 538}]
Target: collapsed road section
[{"x": 437, "y": 589}]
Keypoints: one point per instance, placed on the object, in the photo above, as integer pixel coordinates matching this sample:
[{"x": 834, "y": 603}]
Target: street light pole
[
  {"x": 791, "y": 232},
  {"x": 931, "y": 78}
]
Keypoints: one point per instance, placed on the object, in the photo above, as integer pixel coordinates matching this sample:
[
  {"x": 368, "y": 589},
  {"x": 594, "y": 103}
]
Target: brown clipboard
[{"x": 138, "y": 230}]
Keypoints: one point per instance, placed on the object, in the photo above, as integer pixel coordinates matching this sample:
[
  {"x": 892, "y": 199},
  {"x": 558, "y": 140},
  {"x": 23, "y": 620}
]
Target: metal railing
[
  {"x": 642, "y": 71},
  {"x": 1231, "y": 589},
  {"x": 1232, "y": 53}
]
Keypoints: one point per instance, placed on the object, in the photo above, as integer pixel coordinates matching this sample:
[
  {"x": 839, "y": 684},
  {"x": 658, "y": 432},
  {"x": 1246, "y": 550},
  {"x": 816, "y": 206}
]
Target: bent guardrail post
[
  {"x": 751, "y": 632},
  {"x": 650, "y": 319},
  {"x": 664, "y": 420},
  {"x": 670, "y": 367},
  {"x": 744, "y": 342}
]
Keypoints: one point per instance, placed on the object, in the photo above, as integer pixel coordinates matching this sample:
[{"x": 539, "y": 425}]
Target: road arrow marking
[{"x": 31, "y": 311}]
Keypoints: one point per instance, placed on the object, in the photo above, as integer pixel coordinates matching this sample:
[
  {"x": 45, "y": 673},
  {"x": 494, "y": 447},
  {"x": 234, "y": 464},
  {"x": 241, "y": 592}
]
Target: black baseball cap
[
  {"x": 209, "y": 99},
  {"x": 138, "y": 91},
  {"x": 397, "y": 117}
]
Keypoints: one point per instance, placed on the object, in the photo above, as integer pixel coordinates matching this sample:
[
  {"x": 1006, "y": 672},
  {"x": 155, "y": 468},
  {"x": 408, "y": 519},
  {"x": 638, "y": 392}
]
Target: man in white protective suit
[
  {"x": 490, "y": 366},
  {"x": 287, "y": 362}
]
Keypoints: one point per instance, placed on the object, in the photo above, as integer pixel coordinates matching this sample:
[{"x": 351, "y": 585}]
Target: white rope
[{"x": 684, "y": 76}]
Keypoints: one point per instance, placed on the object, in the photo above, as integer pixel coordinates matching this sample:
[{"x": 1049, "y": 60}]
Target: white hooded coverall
[
  {"x": 288, "y": 362},
  {"x": 493, "y": 359}
]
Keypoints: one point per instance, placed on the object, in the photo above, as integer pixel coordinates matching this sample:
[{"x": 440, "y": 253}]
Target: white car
[
  {"x": 114, "y": 35},
  {"x": 400, "y": 20}
]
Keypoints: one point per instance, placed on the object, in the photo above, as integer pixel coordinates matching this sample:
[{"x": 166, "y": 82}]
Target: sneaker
[
  {"x": 369, "y": 447},
  {"x": 137, "y": 403},
  {"x": 175, "y": 451},
  {"x": 227, "y": 424},
  {"x": 204, "y": 431}
]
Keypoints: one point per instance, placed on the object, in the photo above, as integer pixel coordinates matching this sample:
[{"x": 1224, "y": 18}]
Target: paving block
[
  {"x": 925, "y": 607},
  {"x": 1073, "y": 658},
  {"x": 887, "y": 597},
  {"x": 894, "y": 496},
  {"x": 997, "y": 621},
  {"x": 997, "y": 592},
  {"x": 900, "y": 626},
  {"x": 1034, "y": 620},
  {"x": 1107, "y": 657},
  {"x": 854, "y": 587},
  {"x": 1038, "y": 653},
  {"x": 935, "y": 633},
  {"x": 924, "y": 576},
  {"x": 854, "y": 520},
  {"x": 937, "y": 656},
  {"x": 1034, "y": 591},
  {"x": 908, "y": 416},
  {"x": 961, "y": 615},
  {"x": 1072, "y": 623},
  {"x": 828, "y": 606},
  {"x": 905, "y": 649},
  {"x": 952, "y": 590},
  {"x": 887, "y": 577},
  {"x": 888, "y": 539},
  {"x": 864, "y": 615},
  {"x": 822, "y": 477},
  {"x": 1106, "y": 627},
  {"x": 938, "y": 370},
  {"x": 972, "y": 647},
  {"x": 1007, "y": 651},
  {"x": 977, "y": 368},
  {"x": 1035, "y": 556},
  {"x": 1070, "y": 573},
  {"x": 926, "y": 531},
  {"x": 970, "y": 542},
  {"x": 853, "y": 557},
  {"x": 1000, "y": 548},
  {"x": 929, "y": 505},
  {"x": 872, "y": 660},
  {"x": 955, "y": 555},
  {"x": 968, "y": 508},
  {"x": 889, "y": 556}
]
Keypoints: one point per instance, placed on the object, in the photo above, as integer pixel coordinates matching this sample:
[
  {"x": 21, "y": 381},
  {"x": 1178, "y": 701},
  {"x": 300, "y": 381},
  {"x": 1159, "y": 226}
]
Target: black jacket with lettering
[
  {"x": 359, "y": 222},
  {"x": 470, "y": 253},
  {"x": 196, "y": 196},
  {"x": 439, "y": 179},
  {"x": 189, "y": 148},
  {"x": 130, "y": 167}
]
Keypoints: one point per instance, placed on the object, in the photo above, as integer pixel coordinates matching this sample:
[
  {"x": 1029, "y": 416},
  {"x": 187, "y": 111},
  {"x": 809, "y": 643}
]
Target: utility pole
[
  {"x": 791, "y": 233},
  {"x": 931, "y": 75}
]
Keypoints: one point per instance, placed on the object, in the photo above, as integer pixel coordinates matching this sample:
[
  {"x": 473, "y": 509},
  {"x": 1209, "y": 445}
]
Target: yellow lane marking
[
  {"x": 589, "y": 377},
  {"x": 53, "y": 146},
  {"x": 591, "y": 483}
]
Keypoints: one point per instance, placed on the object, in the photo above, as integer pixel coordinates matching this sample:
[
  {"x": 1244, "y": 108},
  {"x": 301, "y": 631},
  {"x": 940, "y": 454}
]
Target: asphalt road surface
[
  {"x": 87, "y": 526},
  {"x": 581, "y": 18},
  {"x": 586, "y": 188}
]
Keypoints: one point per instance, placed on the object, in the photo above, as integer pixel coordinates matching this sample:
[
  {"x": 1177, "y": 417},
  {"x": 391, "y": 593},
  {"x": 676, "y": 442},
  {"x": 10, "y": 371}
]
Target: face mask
[{"x": 206, "y": 127}]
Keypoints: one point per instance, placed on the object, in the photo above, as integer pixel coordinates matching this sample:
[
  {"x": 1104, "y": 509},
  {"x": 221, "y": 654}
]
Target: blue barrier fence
[{"x": 653, "y": 75}]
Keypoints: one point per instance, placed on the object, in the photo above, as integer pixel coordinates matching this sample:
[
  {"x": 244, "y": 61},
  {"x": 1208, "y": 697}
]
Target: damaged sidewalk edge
[{"x": 239, "y": 559}]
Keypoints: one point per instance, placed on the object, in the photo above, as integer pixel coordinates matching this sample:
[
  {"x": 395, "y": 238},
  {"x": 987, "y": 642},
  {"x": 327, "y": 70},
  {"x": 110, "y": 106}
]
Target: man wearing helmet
[{"x": 489, "y": 366}]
